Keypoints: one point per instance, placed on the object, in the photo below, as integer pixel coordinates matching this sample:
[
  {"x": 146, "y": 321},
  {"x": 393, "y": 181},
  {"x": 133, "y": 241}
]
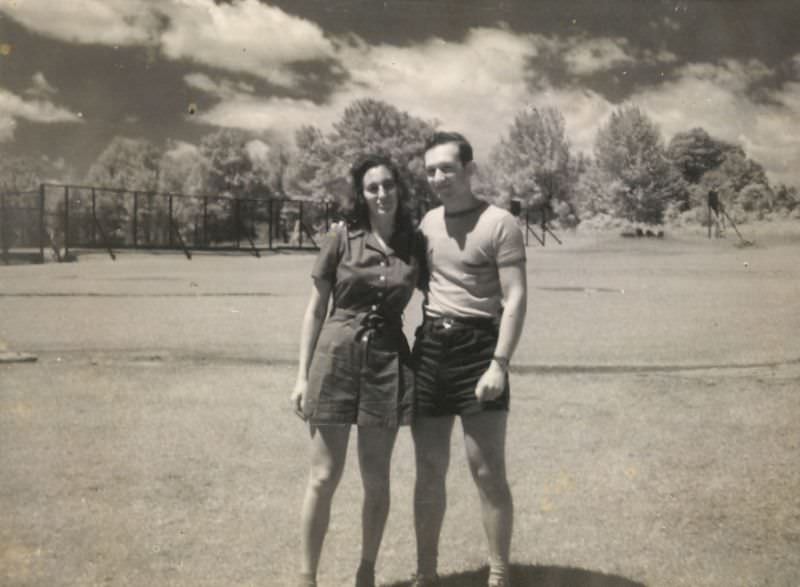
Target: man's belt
[{"x": 468, "y": 322}]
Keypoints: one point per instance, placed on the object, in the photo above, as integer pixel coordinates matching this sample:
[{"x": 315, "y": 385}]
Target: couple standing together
[{"x": 355, "y": 367}]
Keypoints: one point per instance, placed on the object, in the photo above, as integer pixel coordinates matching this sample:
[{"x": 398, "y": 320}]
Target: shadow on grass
[{"x": 534, "y": 576}]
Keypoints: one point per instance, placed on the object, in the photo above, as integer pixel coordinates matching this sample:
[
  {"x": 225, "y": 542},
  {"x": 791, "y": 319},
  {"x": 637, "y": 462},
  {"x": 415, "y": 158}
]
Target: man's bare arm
[{"x": 513, "y": 282}]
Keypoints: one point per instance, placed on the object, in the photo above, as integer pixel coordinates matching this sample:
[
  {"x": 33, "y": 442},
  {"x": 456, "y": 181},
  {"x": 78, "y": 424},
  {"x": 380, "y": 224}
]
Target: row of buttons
[{"x": 380, "y": 292}]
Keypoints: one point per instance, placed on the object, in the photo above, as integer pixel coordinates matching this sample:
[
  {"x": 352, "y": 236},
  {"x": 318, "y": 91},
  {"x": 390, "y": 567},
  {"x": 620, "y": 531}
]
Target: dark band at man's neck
[{"x": 475, "y": 208}]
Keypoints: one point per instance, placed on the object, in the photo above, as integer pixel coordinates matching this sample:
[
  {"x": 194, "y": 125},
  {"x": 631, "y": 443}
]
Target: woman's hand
[{"x": 299, "y": 398}]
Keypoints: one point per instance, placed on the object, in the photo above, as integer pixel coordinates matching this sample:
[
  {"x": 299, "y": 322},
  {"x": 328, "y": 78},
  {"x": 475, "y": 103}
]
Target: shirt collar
[
  {"x": 372, "y": 243},
  {"x": 400, "y": 240}
]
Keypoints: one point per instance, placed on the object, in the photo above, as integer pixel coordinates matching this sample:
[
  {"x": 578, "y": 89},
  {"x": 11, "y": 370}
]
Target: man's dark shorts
[{"x": 449, "y": 357}]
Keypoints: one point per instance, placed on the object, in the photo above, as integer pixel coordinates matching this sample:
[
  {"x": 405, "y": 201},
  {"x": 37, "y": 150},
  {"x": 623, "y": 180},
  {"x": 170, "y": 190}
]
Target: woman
[{"x": 354, "y": 365}]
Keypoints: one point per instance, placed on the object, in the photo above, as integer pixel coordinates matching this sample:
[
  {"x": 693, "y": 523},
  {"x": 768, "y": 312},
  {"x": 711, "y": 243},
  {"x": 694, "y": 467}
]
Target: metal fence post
[
  {"x": 4, "y": 245},
  {"x": 135, "y": 219},
  {"x": 169, "y": 228},
  {"x": 41, "y": 220},
  {"x": 205, "y": 221},
  {"x": 527, "y": 226},
  {"x": 300, "y": 227},
  {"x": 236, "y": 221},
  {"x": 271, "y": 223},
  {"x": 66, "y": 221},
  {"x": 94, "y": 217},
  {"x": 252, "y": 208}
]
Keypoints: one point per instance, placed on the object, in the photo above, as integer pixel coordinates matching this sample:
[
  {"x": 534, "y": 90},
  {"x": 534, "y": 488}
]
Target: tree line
[{"x": 633, "y": 174}]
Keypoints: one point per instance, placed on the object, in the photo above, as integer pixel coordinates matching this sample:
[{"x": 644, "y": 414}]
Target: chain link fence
[{"x": 57, "y": 218}]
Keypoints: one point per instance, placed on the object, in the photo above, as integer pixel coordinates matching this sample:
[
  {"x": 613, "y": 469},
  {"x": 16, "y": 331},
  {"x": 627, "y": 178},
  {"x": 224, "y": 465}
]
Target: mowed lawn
[{"x": 653, "y": 438}]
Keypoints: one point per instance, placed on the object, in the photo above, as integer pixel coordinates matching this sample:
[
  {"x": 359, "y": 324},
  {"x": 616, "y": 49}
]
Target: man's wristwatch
[{"x": 502, "y": 361}]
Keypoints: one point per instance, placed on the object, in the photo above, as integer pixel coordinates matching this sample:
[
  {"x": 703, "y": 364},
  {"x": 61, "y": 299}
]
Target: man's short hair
[{"x": 443, "y": 138}]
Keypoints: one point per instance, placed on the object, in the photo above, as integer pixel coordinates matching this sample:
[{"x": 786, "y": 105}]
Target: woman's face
[{"x": 380, "y": 192}]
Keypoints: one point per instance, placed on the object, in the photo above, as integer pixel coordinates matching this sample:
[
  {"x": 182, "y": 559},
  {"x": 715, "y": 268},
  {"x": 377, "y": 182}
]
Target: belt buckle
[{"x": 447, "y": 323}]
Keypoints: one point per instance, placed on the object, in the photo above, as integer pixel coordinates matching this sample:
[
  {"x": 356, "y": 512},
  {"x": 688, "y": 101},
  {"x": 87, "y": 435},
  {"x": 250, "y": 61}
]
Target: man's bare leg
[
  {"x": 432, "y": 449},
  {"x": 484, "y": 440}
]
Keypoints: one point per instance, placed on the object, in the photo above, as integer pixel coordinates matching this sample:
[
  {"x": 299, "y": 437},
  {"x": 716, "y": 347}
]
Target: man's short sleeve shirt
[{"x": 463, "y": 254}]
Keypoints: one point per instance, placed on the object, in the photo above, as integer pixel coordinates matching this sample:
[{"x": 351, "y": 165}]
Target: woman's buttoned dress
[{"x": 360, "y": 372}]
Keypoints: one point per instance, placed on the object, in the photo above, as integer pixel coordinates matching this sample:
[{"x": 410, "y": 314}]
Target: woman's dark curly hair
[{"x": 356, "y": 213}]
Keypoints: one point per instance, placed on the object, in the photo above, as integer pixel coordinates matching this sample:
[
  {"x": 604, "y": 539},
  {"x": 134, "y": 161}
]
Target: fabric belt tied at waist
[{"x": 371, "y": 322}]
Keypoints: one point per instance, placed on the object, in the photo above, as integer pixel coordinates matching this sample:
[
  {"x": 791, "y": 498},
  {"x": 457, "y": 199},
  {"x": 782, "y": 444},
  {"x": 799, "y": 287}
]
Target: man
[{"x": 474, "y": 310}]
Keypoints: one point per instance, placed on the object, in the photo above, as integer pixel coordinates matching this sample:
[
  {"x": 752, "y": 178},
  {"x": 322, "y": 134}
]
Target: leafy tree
[
  {"x": 183, "y": 172},
  {"x": 756, "y": 197},
  {"x": 629, "y": 151},
  {"x": 242, "y": 168},
  {"x": 738, "y": 171},
  {"x": 125, "y": 164},
  {"x": 19, "y": 222},
  {"x": 695, "y": 152},
  {"x": 310, "y": 163},
  {"x": 786, "y": 198},
  {"x": 594, "y": 192},
  {"x": 19, "y": 173},
  {"x": 230, "y": 169},
  {"x": 534, "y": 161},
  {"x": 367, "y": 125},
  {"x": 733, "y": 180},
  {"x": 130, "y": 164}
]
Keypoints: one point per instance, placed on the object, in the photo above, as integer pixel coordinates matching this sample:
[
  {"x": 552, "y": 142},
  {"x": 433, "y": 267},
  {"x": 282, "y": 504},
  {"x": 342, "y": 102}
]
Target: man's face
[{"x": 447, "y": 176}]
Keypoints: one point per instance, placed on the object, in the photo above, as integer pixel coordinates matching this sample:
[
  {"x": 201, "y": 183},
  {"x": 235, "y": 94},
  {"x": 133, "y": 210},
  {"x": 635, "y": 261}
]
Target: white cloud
[
  {"x": 716, "y": 98},
  {"x": 583, "y": 110},
  {"x": 594, "y": 55},
  {"x": 281, "y": 115},
  {"x": 479, "y": 84},
  {"x": 476, "y": 86},
  {"x": 40, "y": 87},
  {"x": 12, "y": 107},
  {"x": 459, "y": 84},
  {"x": 224, "y": 88},
  {"x": 110, "y": 22},
  {"x": 245, "y": 36},
  {"x": 660, "y": 56}
]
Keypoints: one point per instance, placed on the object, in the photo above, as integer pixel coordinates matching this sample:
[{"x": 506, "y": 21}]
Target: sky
[{"x": 75, "y": 74}]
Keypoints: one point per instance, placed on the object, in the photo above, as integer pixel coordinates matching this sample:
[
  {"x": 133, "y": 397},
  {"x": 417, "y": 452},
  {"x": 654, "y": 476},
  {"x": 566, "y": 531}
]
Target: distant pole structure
[
  {"x": 717, "y": 209},
  {"x": 4, "y": 242},
  {"x": 42, "y": 227},
  {"x": 713, "y": 211},
  {"x": 66, "y": 221}
]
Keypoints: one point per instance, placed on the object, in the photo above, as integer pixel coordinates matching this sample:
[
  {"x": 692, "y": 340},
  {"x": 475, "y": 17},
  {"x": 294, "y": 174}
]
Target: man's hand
[
  {"x": 299, "y": 398},
  {"x": 491, "y": 384}
]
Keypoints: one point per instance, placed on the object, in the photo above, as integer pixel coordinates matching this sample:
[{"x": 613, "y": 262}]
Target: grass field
[{"x": 653, "y": 436}]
